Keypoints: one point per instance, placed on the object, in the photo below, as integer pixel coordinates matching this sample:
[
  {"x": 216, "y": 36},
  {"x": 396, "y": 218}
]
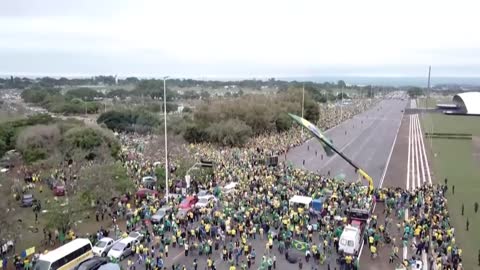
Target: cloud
[{"x": 241, "y": 37}]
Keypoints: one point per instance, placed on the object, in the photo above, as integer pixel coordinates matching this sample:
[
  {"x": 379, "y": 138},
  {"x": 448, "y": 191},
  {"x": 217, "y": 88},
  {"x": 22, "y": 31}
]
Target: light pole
[
  {"x": 303, "y": 103},
  {"x": 165, "y": 122}
]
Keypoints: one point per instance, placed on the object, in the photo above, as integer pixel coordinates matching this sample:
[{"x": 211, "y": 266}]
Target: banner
[{"x": 27, "y": 252}]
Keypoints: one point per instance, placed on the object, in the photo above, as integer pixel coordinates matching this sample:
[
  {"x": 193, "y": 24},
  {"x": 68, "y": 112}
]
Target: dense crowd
[{"x": 254, "y": 224}]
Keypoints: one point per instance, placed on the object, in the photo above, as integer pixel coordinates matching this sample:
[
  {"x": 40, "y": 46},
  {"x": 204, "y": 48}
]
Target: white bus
[{"x": 66, "y": 257}]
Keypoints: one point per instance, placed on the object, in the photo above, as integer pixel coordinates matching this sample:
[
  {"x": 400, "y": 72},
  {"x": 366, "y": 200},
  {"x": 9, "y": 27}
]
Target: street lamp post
[
  {"x": 303, "y": 103},
  {"x": 165, "y": 122}
]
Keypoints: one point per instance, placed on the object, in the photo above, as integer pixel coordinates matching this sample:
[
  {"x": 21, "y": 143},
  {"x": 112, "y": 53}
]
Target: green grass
[
  {"x": 453, "y": 159},
  {"x": 432, "y": 102}
]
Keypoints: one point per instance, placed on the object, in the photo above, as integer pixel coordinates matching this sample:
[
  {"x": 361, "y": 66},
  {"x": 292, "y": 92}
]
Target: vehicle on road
[
  {"x": 203, "y": 193},
  {"x": 109, "y": 266},
  {"x": 205, "y": 200},
  {"x": 230, "y": 187},
  {"x": 160, "y": 214},
  {"x": 149, "y": 181},
  {"x": 66, "y": 257},
  {"x": 144, "y": 192},
  {"x": 188, "y": 203},
  {"x": 137, "y": 236},
  {"x": 351, "y": 238},
  {"x": 122, "y": 248},
  {"x": 103, "y": 246},
  {"x": 59, "y": 190},
  {"x": 91, "y": 264},
  {"x": 27, "y": 200}
]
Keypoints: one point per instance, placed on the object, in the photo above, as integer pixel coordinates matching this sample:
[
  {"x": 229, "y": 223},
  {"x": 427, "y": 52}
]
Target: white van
[{"x": 350, "y": 240}]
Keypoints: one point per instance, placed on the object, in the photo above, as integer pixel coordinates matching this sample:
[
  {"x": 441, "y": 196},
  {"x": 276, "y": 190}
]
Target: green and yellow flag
[{"x": 326, "y": 142}]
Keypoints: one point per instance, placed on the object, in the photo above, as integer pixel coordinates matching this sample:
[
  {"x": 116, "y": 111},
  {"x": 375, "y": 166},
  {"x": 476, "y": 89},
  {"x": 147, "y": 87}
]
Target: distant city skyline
[{"x": 240, "y": 39}]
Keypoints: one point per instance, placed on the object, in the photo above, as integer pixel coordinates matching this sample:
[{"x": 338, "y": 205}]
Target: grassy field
[{"x": 453, "y": 159}]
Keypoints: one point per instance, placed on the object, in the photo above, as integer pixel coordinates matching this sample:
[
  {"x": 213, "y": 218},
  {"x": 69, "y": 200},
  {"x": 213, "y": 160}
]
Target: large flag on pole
[{"x": 326, "y": 142}]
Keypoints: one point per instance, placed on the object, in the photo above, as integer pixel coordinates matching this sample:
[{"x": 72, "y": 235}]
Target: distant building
[
  {"x": 463, "y": 103},
  {"x": 468, "y": 102}
]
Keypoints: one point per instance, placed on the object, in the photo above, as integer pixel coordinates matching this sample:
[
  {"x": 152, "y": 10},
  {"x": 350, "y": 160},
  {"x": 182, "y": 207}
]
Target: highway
[{"x": 367, "y": 139}]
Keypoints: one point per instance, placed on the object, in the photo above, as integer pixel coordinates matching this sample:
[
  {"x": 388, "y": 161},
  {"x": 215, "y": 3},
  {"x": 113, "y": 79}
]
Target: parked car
[
  {"x": 202, "y": 193},
  {"x": 122, "y": 248},
  {"x": 110, "y": 266},
  {"x": 149, "y": 181},
  {"x": 91, "y": 264},
  {"x": 188, "y": 202},
  {"x": 161, "y": 213},
  {"x": 27, "y": 200},
  {"x": 103, "y": 246},
  {"x": 137, "y": 236},
  {"x": 144, "y": 192},
  {"x": 205, "y": 200},
  {"x": 229, "y": 188},
  {"x": 59, "y": 190}
]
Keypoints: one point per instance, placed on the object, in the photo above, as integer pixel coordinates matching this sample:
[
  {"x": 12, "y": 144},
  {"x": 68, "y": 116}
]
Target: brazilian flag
[
  {"x": 327, "y": 144},
  {"x": 301, "y": 246}
]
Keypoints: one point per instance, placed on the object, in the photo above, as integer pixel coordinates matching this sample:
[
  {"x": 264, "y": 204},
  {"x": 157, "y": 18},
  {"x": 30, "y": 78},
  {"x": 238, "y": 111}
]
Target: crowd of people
[{"x": 256, "y": 227}]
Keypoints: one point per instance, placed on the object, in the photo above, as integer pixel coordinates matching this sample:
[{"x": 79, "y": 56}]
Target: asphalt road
[{"x": 366, "y": 139}]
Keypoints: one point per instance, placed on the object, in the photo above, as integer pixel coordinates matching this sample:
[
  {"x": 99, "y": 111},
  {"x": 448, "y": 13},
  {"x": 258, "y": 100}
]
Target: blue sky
[{"x": 248, "y": 38}]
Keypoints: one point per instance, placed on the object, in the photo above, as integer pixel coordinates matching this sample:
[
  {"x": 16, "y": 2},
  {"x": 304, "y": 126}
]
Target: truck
[{"x": 350, "y": 240}]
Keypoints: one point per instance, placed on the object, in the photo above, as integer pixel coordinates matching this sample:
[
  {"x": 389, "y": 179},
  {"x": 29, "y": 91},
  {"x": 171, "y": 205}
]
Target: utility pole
[
  {"x": 341, "y": 105},
  {"x": 303, "y": 103},
  {"x": 303, "y": 98},
  {"x": 428, "y": 96},
  {"x": 166, "y": 144}
]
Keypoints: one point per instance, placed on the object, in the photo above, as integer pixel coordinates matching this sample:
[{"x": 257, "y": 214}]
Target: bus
[{"x": 65, "y": 257}]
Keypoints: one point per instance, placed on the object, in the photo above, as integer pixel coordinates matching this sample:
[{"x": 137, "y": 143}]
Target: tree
[
  {"x": 414, "y": 92},
  {"x": 90, "y": 142},
  {"x": 283, "y": 122},
  {"x": 205, "y": 95},
  {"x": 103, "y": 182},
  {"x": 118, "y": 93},
  {"x": 232, "y": 132},
  {"x": 86, "y": 94},
  {"x": 37, "y": 141},
  {"x": 341, "y": 84},
  {"x": 342, "y": 95},
  {"x": 129, "y": 121},
  {"x": 190, "y": 94}
]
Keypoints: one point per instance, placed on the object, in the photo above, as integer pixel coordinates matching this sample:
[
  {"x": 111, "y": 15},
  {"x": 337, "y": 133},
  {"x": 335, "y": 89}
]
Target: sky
[{"x": 247, "y": 38}]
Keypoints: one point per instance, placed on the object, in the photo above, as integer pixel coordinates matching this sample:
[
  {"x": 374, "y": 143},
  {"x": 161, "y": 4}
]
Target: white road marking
[
  {"x": 419, "y": 147},
  {"x": 418, "y": 170},
  {"x": 429, "y": 175},
  {"x": 405, "y": 249}
]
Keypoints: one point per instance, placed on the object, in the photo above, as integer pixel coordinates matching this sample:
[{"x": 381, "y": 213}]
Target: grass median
[{"x": 459, "y": 162}]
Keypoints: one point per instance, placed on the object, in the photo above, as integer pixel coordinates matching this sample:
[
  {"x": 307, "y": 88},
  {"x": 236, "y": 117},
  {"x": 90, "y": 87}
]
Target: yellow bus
[{"x": 66, "y": 257}]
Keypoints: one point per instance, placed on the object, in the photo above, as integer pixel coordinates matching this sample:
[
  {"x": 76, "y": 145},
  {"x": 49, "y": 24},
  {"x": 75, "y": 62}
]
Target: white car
[
  {"x": 137, "y": 236},
  {"x": 103, "y": 246},
  {"x": 202, "y": 193},
  {"x": 229, "y": 188},
  {"x": 122, "y": 249},
  {"x": 205, "y": 200}
]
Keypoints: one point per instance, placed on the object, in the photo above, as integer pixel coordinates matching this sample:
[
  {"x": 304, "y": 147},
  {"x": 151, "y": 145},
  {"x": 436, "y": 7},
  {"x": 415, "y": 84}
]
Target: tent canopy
[{"x": 300, "y": 200}]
